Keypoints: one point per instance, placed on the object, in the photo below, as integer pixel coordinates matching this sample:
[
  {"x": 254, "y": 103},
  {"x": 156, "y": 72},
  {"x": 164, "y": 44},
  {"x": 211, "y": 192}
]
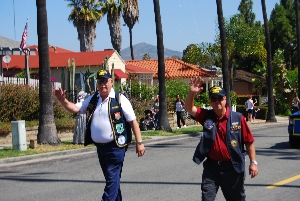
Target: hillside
[{"x": 142, "y": 48}]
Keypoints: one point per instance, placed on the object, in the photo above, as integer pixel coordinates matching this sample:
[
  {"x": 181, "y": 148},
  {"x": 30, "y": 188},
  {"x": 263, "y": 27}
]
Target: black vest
[
  {"x": 121, "y": 129},
  {"x": 234, "y": 141}
]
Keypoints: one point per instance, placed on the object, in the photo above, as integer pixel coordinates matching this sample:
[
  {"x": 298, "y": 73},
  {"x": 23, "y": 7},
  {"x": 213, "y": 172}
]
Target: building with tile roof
[{"x": 144, "y": 71}]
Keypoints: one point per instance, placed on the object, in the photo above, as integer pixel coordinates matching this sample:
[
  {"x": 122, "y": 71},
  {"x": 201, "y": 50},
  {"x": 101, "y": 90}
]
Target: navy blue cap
[
  {"x": 103, "y": 74},
  {"x": 216, "y": 90}
]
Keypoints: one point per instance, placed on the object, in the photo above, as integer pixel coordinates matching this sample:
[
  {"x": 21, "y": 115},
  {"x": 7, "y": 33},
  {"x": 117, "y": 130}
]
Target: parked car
[{"x": 294, "y": 129}]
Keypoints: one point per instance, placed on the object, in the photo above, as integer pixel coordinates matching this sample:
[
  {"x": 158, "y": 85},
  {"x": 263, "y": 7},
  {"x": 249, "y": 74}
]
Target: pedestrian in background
[
  {"x": 155, "y": 110},
  {"x": 179, "y": 108},
  {"x": 109, "y": 123},
  {"x": 225, "y": 135}
]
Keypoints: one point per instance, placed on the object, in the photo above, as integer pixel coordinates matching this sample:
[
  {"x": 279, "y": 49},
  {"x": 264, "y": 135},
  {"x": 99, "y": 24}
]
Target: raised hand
[
  {"x": 60, "y": 94},
  {"x": 196, "y": 85}
]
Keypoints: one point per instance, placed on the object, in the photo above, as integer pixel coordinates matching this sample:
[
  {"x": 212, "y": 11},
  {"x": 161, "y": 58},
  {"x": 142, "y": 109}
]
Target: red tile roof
[
  {"x": 174, "y": 68},
  {"x": 61, "y": 59},
  {"x": 53, "y": 49},
  {"x": 134, "y": 69}
]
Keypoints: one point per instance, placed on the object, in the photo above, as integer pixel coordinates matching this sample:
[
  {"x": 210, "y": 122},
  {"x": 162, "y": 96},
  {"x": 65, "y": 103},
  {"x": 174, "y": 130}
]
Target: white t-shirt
[
  {"x": 100, "y": 125},
  {"x": 250, "y": 104},
  {"x": 179, "y": 107}
]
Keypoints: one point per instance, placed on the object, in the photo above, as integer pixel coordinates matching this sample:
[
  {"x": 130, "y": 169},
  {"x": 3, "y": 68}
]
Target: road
[{"x": 165, "y": 173}]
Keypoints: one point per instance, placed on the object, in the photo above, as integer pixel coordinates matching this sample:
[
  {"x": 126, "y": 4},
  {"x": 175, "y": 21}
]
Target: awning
[{"x": 120, "y": 74}]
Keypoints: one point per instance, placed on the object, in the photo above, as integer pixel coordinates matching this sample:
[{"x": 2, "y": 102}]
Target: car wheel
[{"x": 294, "y": 142}]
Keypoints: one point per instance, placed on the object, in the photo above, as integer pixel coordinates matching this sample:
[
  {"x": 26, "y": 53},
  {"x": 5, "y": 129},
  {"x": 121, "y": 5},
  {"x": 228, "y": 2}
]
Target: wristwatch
[
  {"x": 139, "y": 142},
  {"x": 253, "y": 162}
]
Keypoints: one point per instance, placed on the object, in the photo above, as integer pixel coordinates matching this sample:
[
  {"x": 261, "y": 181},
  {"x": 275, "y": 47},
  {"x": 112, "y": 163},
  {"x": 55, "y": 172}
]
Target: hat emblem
[
  {"x": 215, "y": 90},
  {"x": 102, "y": 72}
]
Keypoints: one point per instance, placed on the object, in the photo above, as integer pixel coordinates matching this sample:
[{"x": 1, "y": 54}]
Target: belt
[
  {"x": 104, "y": 144},
  {"x": 218, "y": 162}
]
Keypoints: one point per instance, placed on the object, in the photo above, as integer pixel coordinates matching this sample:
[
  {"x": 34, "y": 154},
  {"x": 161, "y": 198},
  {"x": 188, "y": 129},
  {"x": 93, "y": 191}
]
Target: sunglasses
[
  {"x": 215, "y": 98},
  {"x": 102, "y": 81}
]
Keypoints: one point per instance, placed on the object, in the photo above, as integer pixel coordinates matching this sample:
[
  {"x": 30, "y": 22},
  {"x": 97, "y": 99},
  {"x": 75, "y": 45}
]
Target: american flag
[{"x": 24, "y": 35}]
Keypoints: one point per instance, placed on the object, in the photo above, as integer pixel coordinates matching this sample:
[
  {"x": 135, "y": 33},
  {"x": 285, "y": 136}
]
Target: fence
[{"x": 32, "y": 82}]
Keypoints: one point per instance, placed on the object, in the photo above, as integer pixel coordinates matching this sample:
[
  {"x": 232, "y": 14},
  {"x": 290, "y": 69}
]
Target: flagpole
[{"x": 27, "y": 52}]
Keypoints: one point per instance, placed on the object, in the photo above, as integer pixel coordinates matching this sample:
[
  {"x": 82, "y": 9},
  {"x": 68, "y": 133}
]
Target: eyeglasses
[
  {"x": 102, "y": 81},
  {"x": 215, "y": 98}
]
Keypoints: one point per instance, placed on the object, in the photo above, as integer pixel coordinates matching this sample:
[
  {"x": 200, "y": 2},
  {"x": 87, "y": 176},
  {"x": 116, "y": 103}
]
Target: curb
[{"x": 35, "y": 158}]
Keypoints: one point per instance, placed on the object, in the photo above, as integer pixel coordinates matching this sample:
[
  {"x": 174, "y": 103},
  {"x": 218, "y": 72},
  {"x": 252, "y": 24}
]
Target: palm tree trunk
[
  {"x": 271, "y": 110},
  {"x": 131, "y": 47},
  {"x": 298, "y": 42},
  {"x": 47, "y": 133},
  {"x": 163, "y": 121},
  {"x": 225, "y": 70}
]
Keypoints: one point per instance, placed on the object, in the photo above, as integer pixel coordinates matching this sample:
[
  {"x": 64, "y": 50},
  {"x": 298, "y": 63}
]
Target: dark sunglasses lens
[
  {"x": 214, "y": 99},
  {"x": 102, "y": 81}
]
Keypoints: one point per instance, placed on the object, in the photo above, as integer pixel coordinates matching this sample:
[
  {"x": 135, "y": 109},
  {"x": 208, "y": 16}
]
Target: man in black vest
[
  {"x": 225, "y": 136},
  {"x": 109, "y": 115}
]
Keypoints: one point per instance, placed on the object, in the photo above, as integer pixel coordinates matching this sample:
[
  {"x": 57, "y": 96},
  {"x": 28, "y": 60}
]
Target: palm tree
[
  {"x": 225, "y": 70},
  {"x": 47, "y": 133},
  {"x": 131, "y": 16},
  {"x": 113, "y": 11},
  {"x": 85, "y": 15},
  {"x": 271, "y": 111},
  {"x": 298, "y": 41},
  {"x": 163, "y": 122}
]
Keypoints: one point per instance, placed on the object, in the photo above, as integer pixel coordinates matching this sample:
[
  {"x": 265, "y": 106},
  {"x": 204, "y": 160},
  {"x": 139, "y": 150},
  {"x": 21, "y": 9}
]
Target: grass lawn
[{"x": 8, "y": 152}]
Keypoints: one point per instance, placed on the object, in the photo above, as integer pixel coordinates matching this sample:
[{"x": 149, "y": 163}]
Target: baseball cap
[
  {"x": 217, "y": 90},
  {"x": 103, "y": 74}
]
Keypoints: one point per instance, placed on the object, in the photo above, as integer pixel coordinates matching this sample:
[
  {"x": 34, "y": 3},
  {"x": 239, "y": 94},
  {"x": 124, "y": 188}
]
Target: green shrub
[{"x": 21, "y": 102}]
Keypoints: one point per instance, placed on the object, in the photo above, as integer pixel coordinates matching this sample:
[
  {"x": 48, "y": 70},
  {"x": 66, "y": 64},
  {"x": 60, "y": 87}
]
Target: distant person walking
[
  {"x": 250, "y": 106},
  {"x": 179, "y": 108}
]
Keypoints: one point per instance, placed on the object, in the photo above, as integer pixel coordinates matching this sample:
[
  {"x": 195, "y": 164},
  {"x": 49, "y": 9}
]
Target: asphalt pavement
[{"x": 21, "y": 160}]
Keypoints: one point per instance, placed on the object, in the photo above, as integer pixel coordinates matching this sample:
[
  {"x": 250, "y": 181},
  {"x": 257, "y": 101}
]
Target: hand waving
[{"x": 196, "y": 85}]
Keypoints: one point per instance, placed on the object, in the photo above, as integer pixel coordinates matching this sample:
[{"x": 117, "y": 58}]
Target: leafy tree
[
  {"x": 271, "y": 111},
  {"x": 47, "y": 133},
  {"x": 245, "y": 44},
  {"x": 282, "y": 31},
  {"x": 163, "y": 122},
  {"x": 203, "y": 54},
  {"x": 131, "y": 16},
  {"x": 245, "y": 9},
  {"x": 113, "y": 10},
  {"x": 85, "y": 15},
  {"x": 225, "y": 70},
  {"x": 298, "y": 42},
  {"x": 146, "y": 56}
]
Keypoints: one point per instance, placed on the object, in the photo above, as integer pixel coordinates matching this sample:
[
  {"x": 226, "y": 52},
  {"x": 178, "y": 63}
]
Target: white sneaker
[
  {"x": 177, "y": 127},
  {"x": 184, "y": 126}
]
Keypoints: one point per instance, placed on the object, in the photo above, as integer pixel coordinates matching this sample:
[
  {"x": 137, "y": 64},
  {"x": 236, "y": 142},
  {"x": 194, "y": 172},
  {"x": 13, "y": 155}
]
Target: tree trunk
[
  {"x": 47, "y": 133},
  {"x": 131, "y": 47},
  {"x": 271, "y": 103},
  {"x": 298, "y": 42},
  {"x": 163, "y": 121},
  {"x": 225, "y": 70}
]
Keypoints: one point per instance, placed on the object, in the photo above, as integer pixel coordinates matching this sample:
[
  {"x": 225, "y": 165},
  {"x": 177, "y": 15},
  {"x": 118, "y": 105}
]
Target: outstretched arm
[{"x": 253, "y": 169}]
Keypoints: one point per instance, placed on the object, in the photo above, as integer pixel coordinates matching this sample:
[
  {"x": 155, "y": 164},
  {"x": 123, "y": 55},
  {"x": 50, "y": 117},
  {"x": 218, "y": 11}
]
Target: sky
[{"x": 183, "y": 23}]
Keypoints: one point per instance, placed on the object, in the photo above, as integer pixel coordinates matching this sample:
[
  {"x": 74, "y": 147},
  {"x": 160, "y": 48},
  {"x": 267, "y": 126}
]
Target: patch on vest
[
  {"x": 235, "y": 126},
  {"x": 117, "y": 115},
  {"x": 208, "y": 124},
  {"x": 121, "y": 140},
  {"x": 120, "y": 128},
  {"x": 114, "y": 107},
  {"x": 234, "y": 143}
]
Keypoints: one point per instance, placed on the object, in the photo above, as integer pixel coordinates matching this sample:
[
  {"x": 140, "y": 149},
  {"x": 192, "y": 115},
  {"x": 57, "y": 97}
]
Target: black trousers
[
  {"x": 222, "y": 174},
  {"x": 180, "y": 118}
]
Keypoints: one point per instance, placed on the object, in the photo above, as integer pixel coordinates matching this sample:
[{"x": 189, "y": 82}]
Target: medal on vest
[
  {"x": 208, "y": 124},
  {"x": 235, "y": 126},
  {"x": 117, "y": 115},
  {"x": 121, "y": 140},
  {"x": 234, "y": 143}
]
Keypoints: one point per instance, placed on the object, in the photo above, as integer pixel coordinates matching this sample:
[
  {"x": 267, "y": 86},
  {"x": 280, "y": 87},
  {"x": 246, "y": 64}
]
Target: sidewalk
[{"x": 15, "y": 161}]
